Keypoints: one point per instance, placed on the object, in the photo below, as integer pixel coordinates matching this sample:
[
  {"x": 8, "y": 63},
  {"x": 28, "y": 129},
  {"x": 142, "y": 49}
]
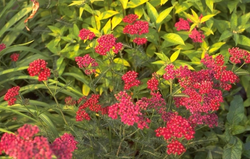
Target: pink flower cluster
[
  {"x": 93, "y": 104},
  {"x": 196, "y": 35},
  {"x": 86, "y": 34},
  {"x": 11, "y": 95},
  {"x": 239, "y": 54},
  {"x": 87, "y": 63},
  {"x": 2, "y": 46},
  {"x": 135, "y": 27},
  {"x": 130, "y": 80},
  {"x": 202, "y": 87},
  {"x": 176, "y": 127},
  {"x": 129, "y": 112},
  {"x": 208, "y": 119},
  {"x": 64, "y": 146},
  {"x": 38, "y": 67},
  {"x": 106, "y": 43},
  {"x": 25, "y": 145},
  {"x": 14, "y": 57},
  {"x": 153, "y": 83}
]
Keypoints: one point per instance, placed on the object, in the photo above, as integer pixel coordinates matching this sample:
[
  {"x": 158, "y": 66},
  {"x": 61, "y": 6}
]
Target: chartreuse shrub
[{"x": 125, "y": 79}]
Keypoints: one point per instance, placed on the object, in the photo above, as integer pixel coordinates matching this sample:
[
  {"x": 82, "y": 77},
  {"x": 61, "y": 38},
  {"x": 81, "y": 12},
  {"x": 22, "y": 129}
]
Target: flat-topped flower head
[
  {"x": 131, "y": 18},
  {"x": 11, "y": 95},
  {"x": 86, "y": 34},
  {"x": 197, "y": 36},
  {"x": 38, "y": 67},
  {"x": 14, "y": 57},
  {"x": 182, "y": 25}
]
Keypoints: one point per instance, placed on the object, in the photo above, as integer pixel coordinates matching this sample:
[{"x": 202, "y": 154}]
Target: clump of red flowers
[
  {"x": 182, "y": 25},
  {"x": 136, "y": 27},
  {"x": 130, "y": 80},
  {"x": 92, "y": 103},
  {"x": 176, "y": 127},
  {"x": 64, "y": 146},
  {"x": 38, "y": 67},
  {"x": 2, "y": 46},
  {"x": 129, "y": 112},
  {"x": 196, "y": 36},
  {"x": 25, "y": 145},
  {"x": 153, "y": 83},
  {"x": 86, "y": 62},
  {"x": 106, "y": 43},
  {"x": 11, "y": 95},
  {"x": 86, "y": 34},
  {"x": 239, "y": 54},
  {"x": 14, "y": 57}
]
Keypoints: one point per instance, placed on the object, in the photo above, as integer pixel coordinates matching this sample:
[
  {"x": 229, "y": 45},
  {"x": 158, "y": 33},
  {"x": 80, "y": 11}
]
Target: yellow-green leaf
[
  {"x": 175, "y": 55},
  {"x": 136, "y": 3},
  {"x": 173, "y": 38},
  {"x": 207, "y": 17},
  {"x": 163, "y": 2},
  {"x": 210, "y": 4},
  {"x": 108, "y": 14},
  {"x": 124, "y": 3},
  {"x": 107, "y": 28},
  {"x": 163, "y": 15},
  {"x": 216, "y": 47},
  {"x": 85, "y": 90},
  {"x": 152, "y": 12},
  {"x": 121, "y": 61},
  {"x": 116, "y": 20}
]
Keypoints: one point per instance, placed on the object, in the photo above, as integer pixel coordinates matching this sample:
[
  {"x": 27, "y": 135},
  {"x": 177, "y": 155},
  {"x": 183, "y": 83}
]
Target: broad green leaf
[
  {"x": 195, "y": 14},
  {"x": 226, "y": 34},
  {"x": 163, "y": 2},
  {"x": 162, "y": 56},
  {"x": 136, "y": 3},
  {"x": 77, "y": 3},
  {"x": 121, "y": 61},
  {"x": 238, "y": 129},
  {"x": 150, "y": 50},
  {"x": 116, "y": 20},
  {"x": 152, "y": 12},
  {"x": 234, "y": 21},
  {"x": 159, "y": 62},
  {"x": 216, "y": 47},
  {"x": 175, "y": 55},
  {"x": 173, "y": 38},
  {"x": 236, "y": 111},
  {"x": 210, "y": 4},
  {"x": 108, "y": 14},
  {"x": 163, "y": 15},
  {"x": 139, "y": 11},
  {"x": 76, "y": 30},
  {"x": 55, "y": 30},
  {"x": 192, "y": 18},
  {"x": 124, "y": 3},
  {"x": 60, "y": 64},
  {"x": 243, "y": 40},
  {"x": 107, "y": 28},
  {"x": 179, "y": 63},
  {"x": 207, "y": 17},
  {"x": 85, "y": 90},
  {"x": 182, "y": 7},
  {"x": 233, "y": 151}
]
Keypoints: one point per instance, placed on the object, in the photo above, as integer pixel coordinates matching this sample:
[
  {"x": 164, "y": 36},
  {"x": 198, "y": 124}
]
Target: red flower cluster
[
  {"x": 182, "y": 25},
  {"x": 64, "y": 146},
  {"x": 86, "y": 62},
  {"x": 176, "y": 127},
  {"x": 2, "y": 46},
  {"x": 239, "y": 54},
  {"x": 130, "y": 80},
  {"x": 175, "y": 147},
  {"x": 129, "y": 112},
  {"x": 107, "y": 42},
  {"x": 93, "y": 104},
  {"x": 11, "y": 95},
  {"x": 14, "y": 57},
  {"x": 86, "y": 34},
  {"x": 70, "y": 101},
  {"x": 135, "y": 27},
  {"x": 209, "y": 119},
  {"x": 24, "y": 145},
  {"x": 196, "y": 36},
  {"x": 38, "y": 67},
  {"x": 153, "y": 84}
]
